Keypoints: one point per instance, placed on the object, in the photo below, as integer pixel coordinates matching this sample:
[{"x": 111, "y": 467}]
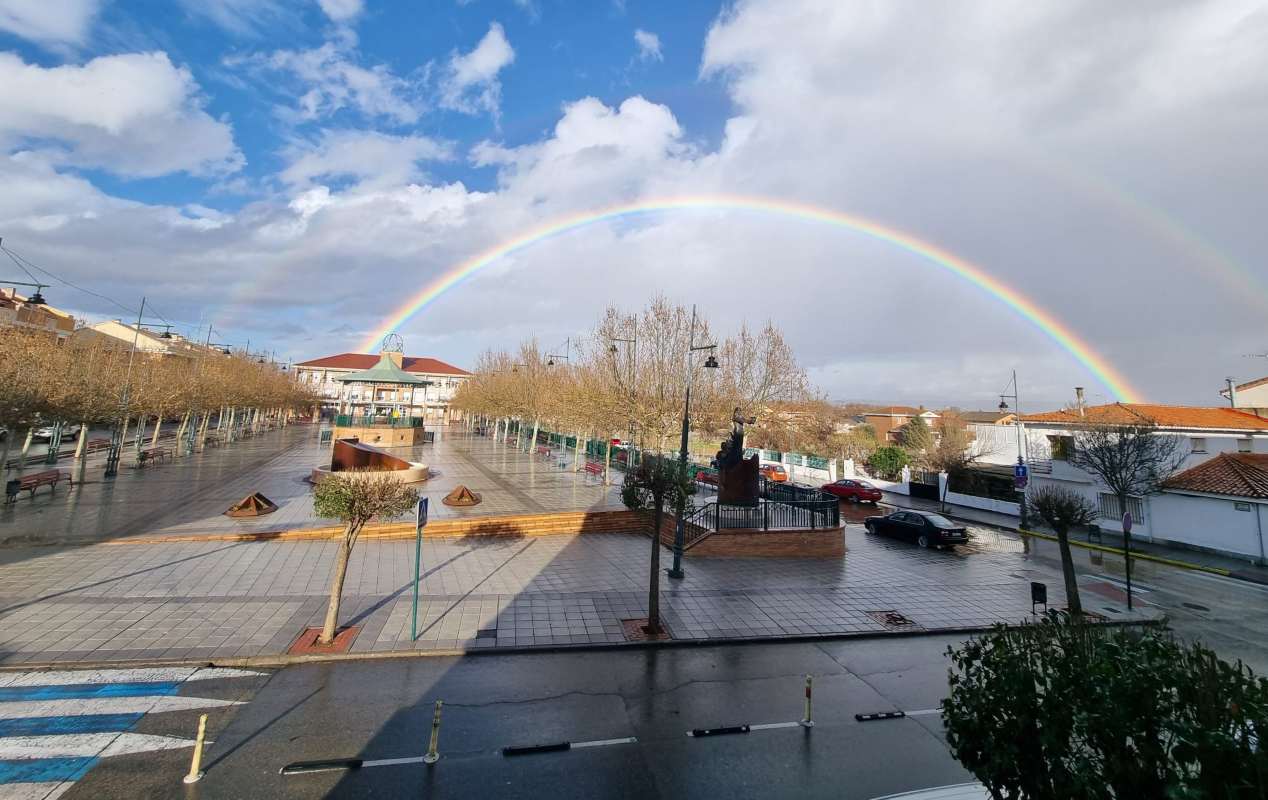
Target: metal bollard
[
  {"x": 807, "y": 722},
  {"x": 195, "y": 767},
  {"x": 432, "y": 755}
]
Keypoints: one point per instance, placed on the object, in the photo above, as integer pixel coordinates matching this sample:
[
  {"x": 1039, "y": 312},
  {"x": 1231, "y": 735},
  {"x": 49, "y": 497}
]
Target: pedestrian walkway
[
  {"x": 56, "y": 726},
  {"x": 189, "y": 495},
  {"x": 1234, "y": 567},
  {"x": 216, "y": 600}
]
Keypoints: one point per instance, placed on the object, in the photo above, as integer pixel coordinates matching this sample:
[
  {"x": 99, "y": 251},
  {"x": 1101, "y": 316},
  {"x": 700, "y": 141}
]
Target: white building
[
  {"x": 117, "y": 333},
  {"x": 429, "y": 400},
  {"x": 1251, "y": 397},
  {"x": 1205, "y": 433},
  {"x": 1218, "y": 505}
]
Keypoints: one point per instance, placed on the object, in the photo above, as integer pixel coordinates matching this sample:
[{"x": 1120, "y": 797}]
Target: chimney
[
  {"x": 1078, "y": 399},
  {"x": 1232, "y": 393},
  {"x": 396, "y": 356}
]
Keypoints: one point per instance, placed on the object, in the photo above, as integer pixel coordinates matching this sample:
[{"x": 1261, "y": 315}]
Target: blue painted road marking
[
  {"x": 86, "y": 691},
  {"x": 49, "y": 726},
  {"x": 44, "y": 770}
]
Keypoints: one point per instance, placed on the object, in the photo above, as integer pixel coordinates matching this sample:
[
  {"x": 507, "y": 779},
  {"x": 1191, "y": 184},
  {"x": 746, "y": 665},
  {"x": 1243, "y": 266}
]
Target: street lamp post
[
  {"x": 711, "y": 362},
  {"x": 1021, "y": 459}
]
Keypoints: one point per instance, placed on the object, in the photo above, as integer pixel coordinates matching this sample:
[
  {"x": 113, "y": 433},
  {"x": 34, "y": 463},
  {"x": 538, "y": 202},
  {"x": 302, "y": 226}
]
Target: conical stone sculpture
[
  {"x": 461, "y": 496},
  {"x": 253, "y": 505}
]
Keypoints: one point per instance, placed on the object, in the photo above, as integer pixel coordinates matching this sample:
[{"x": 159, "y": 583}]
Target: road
[{"x": 383, "y": 710}]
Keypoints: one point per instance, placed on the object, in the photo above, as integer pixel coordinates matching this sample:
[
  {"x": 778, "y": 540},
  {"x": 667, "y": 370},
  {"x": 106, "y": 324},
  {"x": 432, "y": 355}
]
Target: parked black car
[{"x": 922, "y": 527}]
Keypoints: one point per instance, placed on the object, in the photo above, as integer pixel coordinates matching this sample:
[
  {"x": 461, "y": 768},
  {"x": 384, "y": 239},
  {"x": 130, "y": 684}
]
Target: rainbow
[{"x": 1065, "y": 338}]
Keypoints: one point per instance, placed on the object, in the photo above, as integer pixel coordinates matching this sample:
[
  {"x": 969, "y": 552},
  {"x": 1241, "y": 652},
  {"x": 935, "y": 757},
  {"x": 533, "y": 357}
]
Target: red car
[{"x": 853, "y": 490}]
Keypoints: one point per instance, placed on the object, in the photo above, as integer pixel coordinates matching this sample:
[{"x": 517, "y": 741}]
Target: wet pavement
[
  {"x": 188, "y": 495},
  {"x": 383, "y": 710}
]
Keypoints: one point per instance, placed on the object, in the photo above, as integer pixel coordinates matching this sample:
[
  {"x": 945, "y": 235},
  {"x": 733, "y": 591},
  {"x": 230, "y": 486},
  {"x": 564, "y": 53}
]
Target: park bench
[
  {"x": 35, "y": 480},
  {"x": 153, "y": 454},
  {"x": 96, "y": 445},
  {"x": 543, "y": 450},
  {"x": 594, "y": 468},
  {"x": 212, "y": 440}
]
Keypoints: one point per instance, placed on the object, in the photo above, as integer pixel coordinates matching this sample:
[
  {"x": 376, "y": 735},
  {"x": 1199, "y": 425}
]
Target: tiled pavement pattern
[
  {"x": 189, "y": 495},
  {"x": 217, "y": 599}
]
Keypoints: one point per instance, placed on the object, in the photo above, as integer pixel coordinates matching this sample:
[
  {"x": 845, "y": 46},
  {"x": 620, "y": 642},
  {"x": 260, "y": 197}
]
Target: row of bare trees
[
  {"x": 94, "y": 383},
  {"x": 628, "y": 378}
]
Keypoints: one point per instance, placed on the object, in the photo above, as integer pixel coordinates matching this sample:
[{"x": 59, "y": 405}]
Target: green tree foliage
[
  {"x": 354, "y": 498},
  {"x": 1061, "y": 709},
  {"x": 887, "y": 462},
  {"x": 657, "y": 481},
  {"x": 916, "y": 437}
]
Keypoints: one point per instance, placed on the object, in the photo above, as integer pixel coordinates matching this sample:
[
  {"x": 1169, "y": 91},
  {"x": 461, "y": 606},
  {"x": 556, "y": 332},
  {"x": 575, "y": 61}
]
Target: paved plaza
[
  {"x": 189, "y": 495},
  {"x": 90, "y": 591}
]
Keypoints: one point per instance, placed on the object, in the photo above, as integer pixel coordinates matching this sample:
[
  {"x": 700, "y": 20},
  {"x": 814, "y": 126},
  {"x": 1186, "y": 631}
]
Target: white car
[{"x": 46, "y": 433}]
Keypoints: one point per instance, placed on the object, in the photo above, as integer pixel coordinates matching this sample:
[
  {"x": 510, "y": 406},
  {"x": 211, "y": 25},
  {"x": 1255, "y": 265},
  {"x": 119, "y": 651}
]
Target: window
[
  {"x": 1109, "y": 508},
  {"x": 1062, "y": 447},
  {"x": 1239, "y": 506},
  {"x": 1243, "y": 445},
  {"x": 1197, "y": 445}
]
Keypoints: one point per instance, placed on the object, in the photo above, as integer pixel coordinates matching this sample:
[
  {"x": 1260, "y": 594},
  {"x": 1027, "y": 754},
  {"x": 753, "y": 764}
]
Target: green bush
[
  {"x": 1059, "y": 710},
  {"x": 887, "y": 462}
]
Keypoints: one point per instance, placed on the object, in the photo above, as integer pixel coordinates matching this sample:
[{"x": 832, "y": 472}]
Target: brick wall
[{"x": 773, "y": 544}]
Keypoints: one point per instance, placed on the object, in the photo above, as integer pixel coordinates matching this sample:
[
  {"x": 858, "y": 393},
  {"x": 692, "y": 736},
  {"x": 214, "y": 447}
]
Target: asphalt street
[{"x": 382, "y": 710}]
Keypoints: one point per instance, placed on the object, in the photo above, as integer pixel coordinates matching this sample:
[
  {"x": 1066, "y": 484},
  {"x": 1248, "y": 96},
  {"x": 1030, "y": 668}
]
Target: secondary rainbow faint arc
[{"x": 1078, "y": 348}]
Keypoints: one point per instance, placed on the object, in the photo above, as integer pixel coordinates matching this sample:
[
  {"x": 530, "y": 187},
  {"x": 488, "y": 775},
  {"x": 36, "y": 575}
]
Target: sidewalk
[{"x": 1233, "y": 567}]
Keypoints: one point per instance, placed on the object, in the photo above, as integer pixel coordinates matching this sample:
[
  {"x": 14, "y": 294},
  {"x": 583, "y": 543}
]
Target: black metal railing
[{"x": 769, "y": 514}]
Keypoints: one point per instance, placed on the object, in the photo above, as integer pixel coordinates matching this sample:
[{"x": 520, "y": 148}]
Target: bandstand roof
[{"x": 385, "y": 371}]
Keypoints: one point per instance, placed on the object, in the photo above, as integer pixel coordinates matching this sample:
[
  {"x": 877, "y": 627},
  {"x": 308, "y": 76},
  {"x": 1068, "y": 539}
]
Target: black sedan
[{"x": 922, "y": 527}]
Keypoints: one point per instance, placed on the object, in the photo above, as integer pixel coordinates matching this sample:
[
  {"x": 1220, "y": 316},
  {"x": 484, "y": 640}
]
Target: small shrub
[{"x": 887, "y": 462}]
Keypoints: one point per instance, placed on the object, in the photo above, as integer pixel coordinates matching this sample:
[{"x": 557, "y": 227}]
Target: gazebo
[{"x": 376, "y": 405}]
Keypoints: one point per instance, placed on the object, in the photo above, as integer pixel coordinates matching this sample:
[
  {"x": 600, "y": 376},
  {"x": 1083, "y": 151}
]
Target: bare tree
[
  {"x": 1064, "y": 509},
  {"x": 354, "y": 498},
  {"x": 1131, "y": 460},
  {"x": 657, "y": 481}
]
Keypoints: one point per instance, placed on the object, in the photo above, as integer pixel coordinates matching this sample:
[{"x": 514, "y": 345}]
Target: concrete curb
[
  {"x": 284, "y": 660},
  {"x": 1140, "y": 556}
]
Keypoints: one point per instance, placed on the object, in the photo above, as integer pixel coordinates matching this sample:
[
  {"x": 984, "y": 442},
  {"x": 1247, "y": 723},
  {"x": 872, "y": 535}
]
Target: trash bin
[{"x": 11, "y": 489}]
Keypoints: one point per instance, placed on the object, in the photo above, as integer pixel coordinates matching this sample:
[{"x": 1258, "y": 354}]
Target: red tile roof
[
  {"x": 430, "y": 366},
  {"x": 1235, "y": 474},
  {"x": 1163, "y": 416}
]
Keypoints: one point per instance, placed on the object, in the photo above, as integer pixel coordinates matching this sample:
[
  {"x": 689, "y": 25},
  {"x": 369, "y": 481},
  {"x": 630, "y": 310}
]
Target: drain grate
[
  {"x": 893, "y": 620},
  {"x": 1195, "y": 606},
  {"x": 487, "y": 633}
]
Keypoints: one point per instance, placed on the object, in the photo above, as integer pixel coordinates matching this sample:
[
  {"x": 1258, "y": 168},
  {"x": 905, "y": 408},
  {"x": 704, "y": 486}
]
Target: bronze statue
[{"x": 737, "y": 475}]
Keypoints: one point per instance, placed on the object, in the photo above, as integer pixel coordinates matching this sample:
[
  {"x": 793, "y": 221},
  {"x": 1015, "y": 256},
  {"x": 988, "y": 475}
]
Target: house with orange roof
[
  {"x": 1220, "y": 505},
  {"x": 1204, "y": 434},
  {"x": 428, "y": 399},
  {"x": 888, "y": 420}
]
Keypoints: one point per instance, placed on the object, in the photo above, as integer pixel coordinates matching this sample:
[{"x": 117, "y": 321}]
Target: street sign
[
  {"x": 420, "y": 521},
  {"x": 1127, "y": 522},
  {"x": 1021, "y": 471}
]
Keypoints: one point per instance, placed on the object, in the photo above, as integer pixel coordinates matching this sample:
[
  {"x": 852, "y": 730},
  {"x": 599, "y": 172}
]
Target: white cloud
[
  {"x": 648, "y": 45},
  {"x": 342, "y": 10},
  {"x": 329, "y": 79},
  {"x": 134, "y": 114},
  {"x": 471, "y": 79},
  {"x": 242, "y": 17},
  {"x": 373, "y": 158},
  {"x": 65, "y": 22}
]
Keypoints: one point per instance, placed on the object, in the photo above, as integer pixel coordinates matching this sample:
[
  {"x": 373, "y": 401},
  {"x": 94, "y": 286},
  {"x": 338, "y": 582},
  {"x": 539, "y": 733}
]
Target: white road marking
[
  {"x": 107, "y": 705},
  {"x": 86, "y": 745},
  {"x": 34, "y": 791},
  {"x": 605, "y": 742},
  {"x": 71, "y": 677},
  {"x": 924, "y": 712},
  {"x": 770, "y": 726}
]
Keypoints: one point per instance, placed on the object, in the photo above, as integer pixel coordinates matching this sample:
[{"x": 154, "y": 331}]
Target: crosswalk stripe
[
  {"x": 136, "y": 675},
  {"x": 107, "y": 705},
  {"x": 85, "y": 691},
  {"x": 86, "y": 745},
  {"x": 82, "y": 723},
  {"x": 43, "y": 770}
]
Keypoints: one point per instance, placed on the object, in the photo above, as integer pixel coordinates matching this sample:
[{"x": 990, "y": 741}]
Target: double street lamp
[{"x": 709, "y": 363}]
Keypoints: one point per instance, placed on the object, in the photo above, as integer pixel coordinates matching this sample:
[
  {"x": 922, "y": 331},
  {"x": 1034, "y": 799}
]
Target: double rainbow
[{"x": 1065, "y": 338}]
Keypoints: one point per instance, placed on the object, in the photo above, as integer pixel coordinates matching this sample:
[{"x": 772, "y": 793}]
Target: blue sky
[{"x": 293, "y": 170}]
